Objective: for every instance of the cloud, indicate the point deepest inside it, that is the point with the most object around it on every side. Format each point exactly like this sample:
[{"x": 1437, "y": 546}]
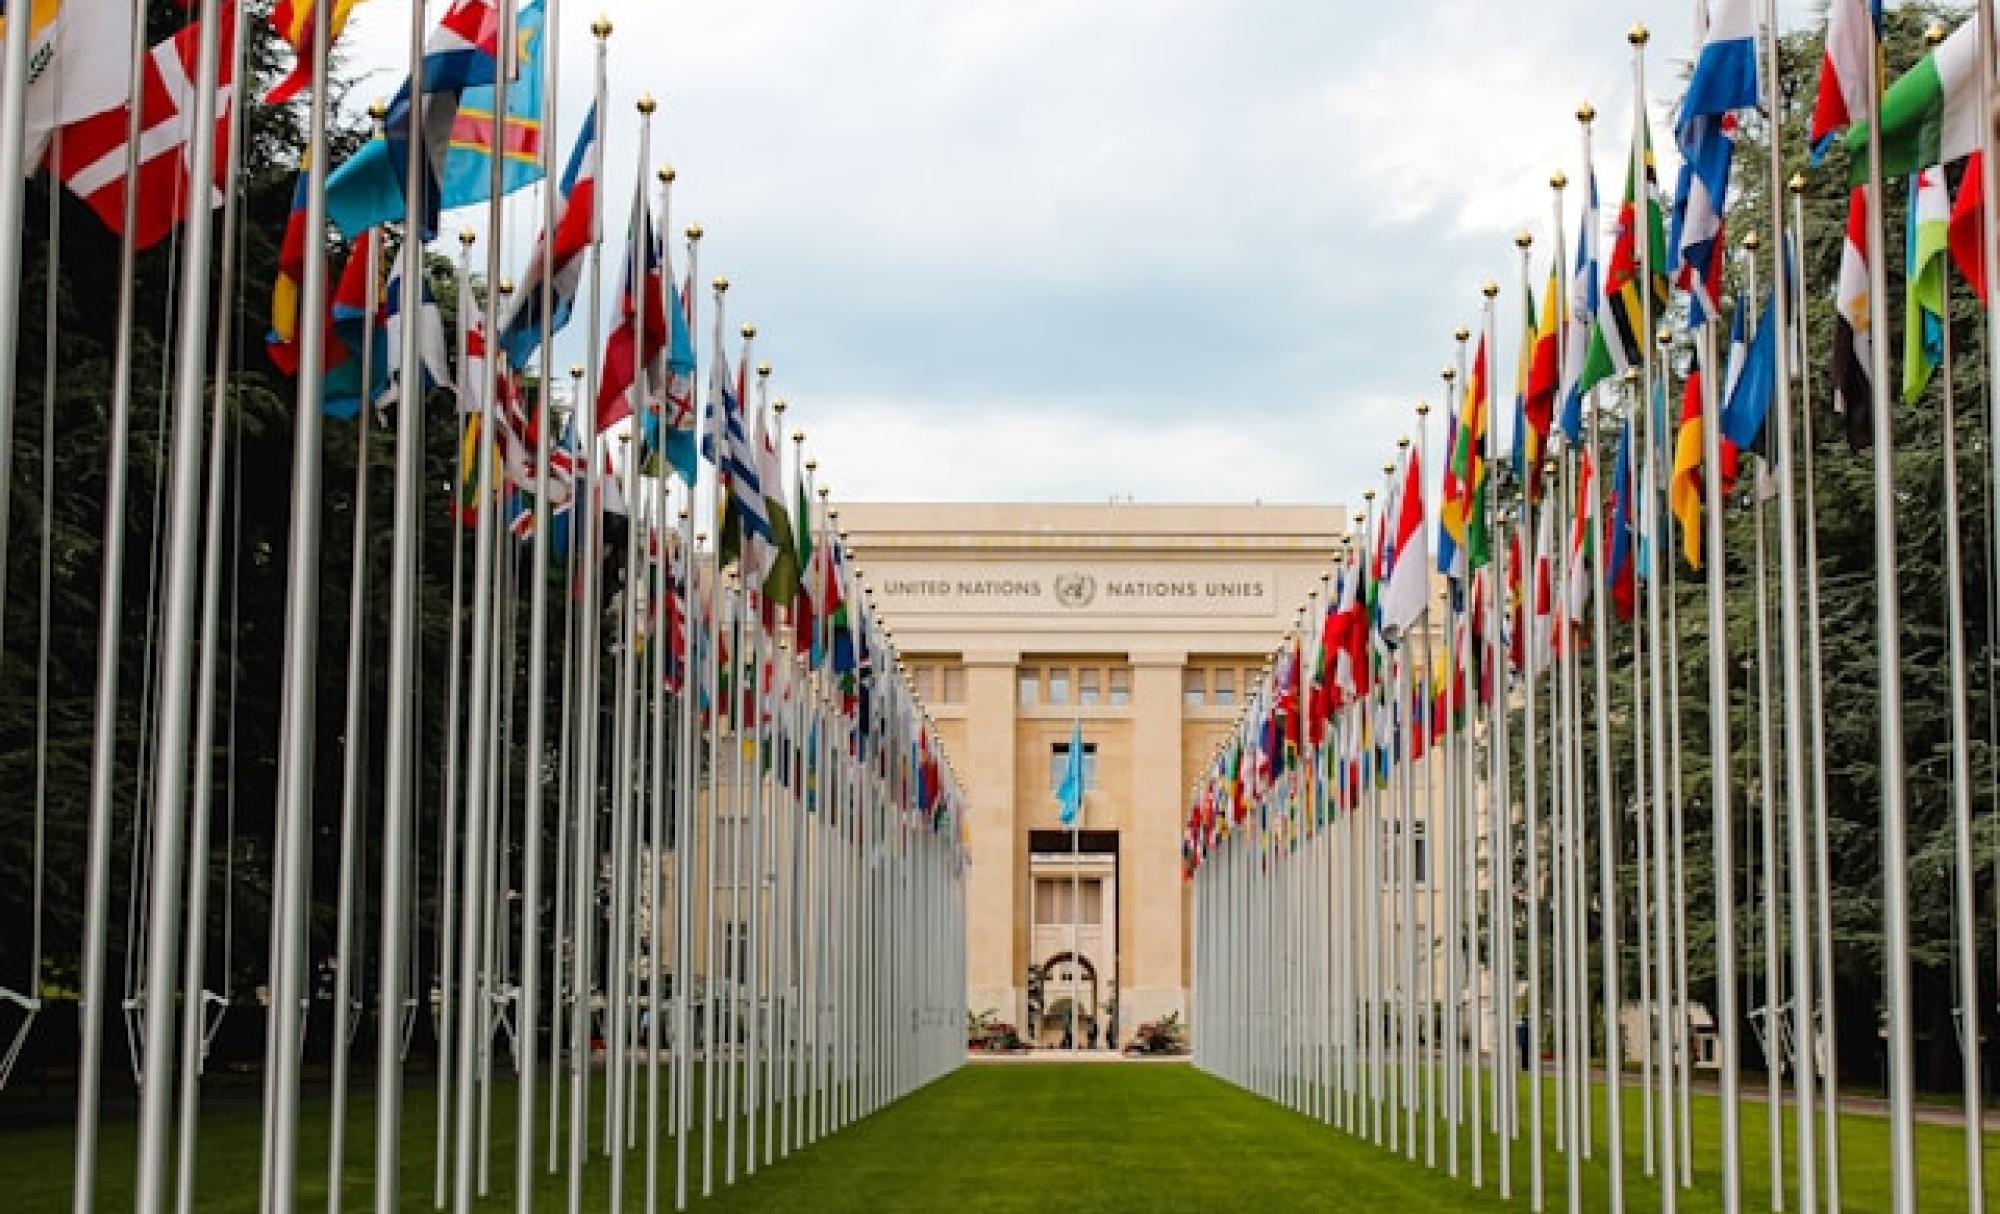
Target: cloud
[{"x": 1178, "y": 249}]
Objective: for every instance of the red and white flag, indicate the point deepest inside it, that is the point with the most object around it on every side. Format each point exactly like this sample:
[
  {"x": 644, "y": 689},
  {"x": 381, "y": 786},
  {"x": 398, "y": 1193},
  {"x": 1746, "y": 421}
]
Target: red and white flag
[
  {"x": 1843, "y": 73},
  {"x": 90, "y": 156}
]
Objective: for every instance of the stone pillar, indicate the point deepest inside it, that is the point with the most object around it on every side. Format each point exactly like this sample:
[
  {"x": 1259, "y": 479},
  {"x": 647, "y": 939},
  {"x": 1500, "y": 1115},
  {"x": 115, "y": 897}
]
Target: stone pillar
[
  {"x": 993, "y": 967},
  {"x": 1152, "y": 847}
]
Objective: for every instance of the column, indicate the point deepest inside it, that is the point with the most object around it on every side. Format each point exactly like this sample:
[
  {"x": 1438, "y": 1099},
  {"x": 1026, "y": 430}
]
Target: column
[
  {"x": 994, "y": 969},
  {"x": 1152, "y": 844}
]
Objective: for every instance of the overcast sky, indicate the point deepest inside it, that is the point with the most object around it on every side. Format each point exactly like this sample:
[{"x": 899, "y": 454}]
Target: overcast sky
[{"x": 1206, "y": 250}]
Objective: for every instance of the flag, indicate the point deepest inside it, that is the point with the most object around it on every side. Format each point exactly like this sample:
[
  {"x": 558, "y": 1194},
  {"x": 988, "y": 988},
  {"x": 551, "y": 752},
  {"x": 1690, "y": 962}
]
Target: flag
[
  {"x": 1583, "y": 308},
  {"x": 90, "y": 159},
  {"x": 1582, "y": 537},
  {"x": 1724, "y": 81},
  {"x": 1753, "y": 382},
  {"x": 281, "y": 341},
  {"x": 1685, "y": 491},
  {"x": 1524, "y": 357},
  {"x": 1619, "y": 573},
  {"x": 1450, "y": 561},
  {"x": 1927, "y": 234},
  {"x": 1851, "y": 335},
  {"x": 432, "y": 357},
  {"x": 467, "y": 177},
  {"x": 1930, "y": 115},
  {"x": 741, "y": 512},
  {"x": 79, "y": 64},
  {"x": 561, "y": 257},
  {"x": 1851, "y": 27},
  {"x": 292, "y": 21},
  {"x": 1408, "y": 590},
  {"x": 1463, "y": 512},
  {"x": 461, "y": 53},
  {"x": 1350, "y": 666},
  {"x": 1542, "y": 630},
  {"x": 1968, "y": 234},
  {"x": 1544, "y": 376},
  {"x": 350, "y": 319},
  {"x": 1617, "y": 336},
  {"x": 805, "y": 614},
  {"x": 674, "y": 367},
  {"x": 642, "y": 301},
  {"x": 781, "y": 575}
]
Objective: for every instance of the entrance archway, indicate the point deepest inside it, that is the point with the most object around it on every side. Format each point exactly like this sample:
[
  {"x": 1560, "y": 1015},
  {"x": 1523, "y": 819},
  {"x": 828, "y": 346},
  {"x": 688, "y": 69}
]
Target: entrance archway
[{"x": 1068, "y": 980}]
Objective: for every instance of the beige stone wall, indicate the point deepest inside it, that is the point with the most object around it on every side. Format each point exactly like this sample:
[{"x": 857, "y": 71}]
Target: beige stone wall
[{"x": 994, "y": 590}]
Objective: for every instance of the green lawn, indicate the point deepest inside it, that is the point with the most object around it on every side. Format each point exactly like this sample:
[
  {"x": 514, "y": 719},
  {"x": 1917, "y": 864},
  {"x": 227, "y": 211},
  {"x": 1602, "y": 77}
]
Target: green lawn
[{"x": 1007, "y": 1137}]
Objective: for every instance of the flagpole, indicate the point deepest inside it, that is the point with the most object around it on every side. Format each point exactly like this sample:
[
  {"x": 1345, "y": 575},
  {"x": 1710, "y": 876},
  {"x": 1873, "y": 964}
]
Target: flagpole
[
  {"x": 353, "y": 740},
  {"x": 687, "y": 795},
  {"x": 14, "y": 172},
  {"x": 194, "y": 1037},
  {"x": 1659, "y": 559},
  {"x": 1722, "y": 792},
  {"x": 1820, "y": 1028},
  {"x": 1427, "y": 709},
  {"x": 1894, "y": 819},
  {"x": 1774, "y": 1063},
  {"x": 1499, "y": 813},
  {"x": 1455, "y": 799}
]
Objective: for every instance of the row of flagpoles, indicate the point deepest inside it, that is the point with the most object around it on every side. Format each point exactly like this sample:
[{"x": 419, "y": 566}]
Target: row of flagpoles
[
  {"x": 1424, "y": 859},
  {"x": 661, "y": 661}
]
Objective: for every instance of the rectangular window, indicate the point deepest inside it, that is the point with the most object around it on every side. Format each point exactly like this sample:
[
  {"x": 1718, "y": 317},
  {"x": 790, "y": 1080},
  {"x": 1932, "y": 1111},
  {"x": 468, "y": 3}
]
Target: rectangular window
[
  {"x": 1421, "y": 861},
  {"x": 1194, "y": 686},
  {"x": 1058, "y": 684},
  {"x": 925, "y": 679},
  {"x": 1223, "y": 684},
  {"x": 1121, "y": 686},
  {"x": 951, "y": 685},
  {"x": 1088, "y": 679},
  {"x": 1059, "y": 763},
  {"x": 1031, "y": 686}
]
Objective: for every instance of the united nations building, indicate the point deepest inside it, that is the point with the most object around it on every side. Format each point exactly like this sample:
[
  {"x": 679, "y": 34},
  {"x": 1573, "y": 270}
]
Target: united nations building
[{"x": 1141, "y": 625}]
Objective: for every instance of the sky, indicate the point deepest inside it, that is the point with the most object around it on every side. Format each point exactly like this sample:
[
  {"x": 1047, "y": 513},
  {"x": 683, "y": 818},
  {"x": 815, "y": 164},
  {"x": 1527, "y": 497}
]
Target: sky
[{"x": 1077, "y": 250}]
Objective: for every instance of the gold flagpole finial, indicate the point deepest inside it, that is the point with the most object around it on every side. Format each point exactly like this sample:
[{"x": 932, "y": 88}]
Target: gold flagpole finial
[
  {"x": 666, "y": 174},
  {"x": 378, "y": 110},
  {"x": 1449, "y": 374},
  {"x": 1638, "y": 35},
  {"x": 694, "y": 231},
  {"x": 1797, "y": 183},
  {"x": 646, "y": 104},
  {"x": 1586, "y": 113},
  {"x": 1933, "y": 34},
  {"x": 763, "y": 369},
  {"x": 779, "y": 405},
  {"x": 1558, "y": 180},
  {"x": 1462, "y": 333},
  {"x": 1490, "y": 289},
  {"x": 749, "y": 330},
  {"x": 601, "y": 27},
  {"x": 1523, "y": 240},
  {"x": 466, "y": 236},
  {"x": 1423, "y": 408},
  {"x": 576, "y": 370},
  {"x": 721, "y": 284},
  {"x": 799, "y": 437},
  {"x": 1752, "y": 241}
]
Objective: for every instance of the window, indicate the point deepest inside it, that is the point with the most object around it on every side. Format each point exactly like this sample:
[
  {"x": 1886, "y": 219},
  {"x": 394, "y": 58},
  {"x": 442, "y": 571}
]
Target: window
[
  {"x": 1087, "y": 680},
  {"x": 1121, "y": 686},
  {"x": 1055, "y": 906},
  {"x": 1194, "y": 686},
  {"x": 1420, "y": 862},
  {"x": 951, "y": 685},
  {"x": 1058, "y": 684},
  {"x": 925, "y": 680},
  {"x": 1031, "y": 686},
  {"x": 1223, "y": 684},
  {"x": 1059, "y": 763}
]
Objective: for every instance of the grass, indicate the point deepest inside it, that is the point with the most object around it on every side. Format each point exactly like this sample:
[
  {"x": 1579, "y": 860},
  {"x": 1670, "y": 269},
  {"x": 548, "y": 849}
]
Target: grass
[{"x": 1008, "y": 1138}]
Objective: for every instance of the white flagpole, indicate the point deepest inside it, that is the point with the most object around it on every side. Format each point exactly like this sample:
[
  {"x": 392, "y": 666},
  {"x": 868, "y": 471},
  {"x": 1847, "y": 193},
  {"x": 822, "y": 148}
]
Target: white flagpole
[{"x": 111, "y": 596}]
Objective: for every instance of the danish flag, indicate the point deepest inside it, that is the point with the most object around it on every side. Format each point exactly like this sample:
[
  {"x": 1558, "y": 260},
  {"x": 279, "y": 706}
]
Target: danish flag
[{"x": 90, "y": 157}]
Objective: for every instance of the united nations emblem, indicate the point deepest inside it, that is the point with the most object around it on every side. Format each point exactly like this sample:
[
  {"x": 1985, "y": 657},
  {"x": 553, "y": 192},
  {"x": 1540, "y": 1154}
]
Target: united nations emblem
[{"x": 1075, "y": 589}]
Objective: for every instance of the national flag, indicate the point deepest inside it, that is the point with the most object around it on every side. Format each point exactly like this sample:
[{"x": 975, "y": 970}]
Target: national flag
[
  {"x": 467, "y": 177},
  {"x": 1583, "y": 305},
  {"x": 1851, "y": 331},
  {"x": 1350, "y": 667},
  {"x": 1543, "y": 628},
  {"x": 1751, "y": 384},
  {"x": 1524, "y": 357},
  {"x": 479, "y": 480},
  {"x": 293, "y": 22},
  {"x": 1968, "y": 218},
  {"x": 460, "y": 54},
  {"x": 432, "y": 356},
  {"x": 741, "y": 512},
  {"x": 281, "y": 341},
  {"x": 781, "y": 575},
  {"x": 1619, "y": 573},
  {"x": 1617, "y": 338},
  {"x": 1582, "y": 537},
  {"x": 1450, "y": 559},
  {"x": 1408, "y": 589},
  {"x": 1851, "y": 30},
  {"x": 79, "y": 64},
  {"x": 1544, "y": 379},
  {"x": 90, "y": 158},
  {"x": 805, "y": 613},
  {"x": 642, "y": 302},
  {"x": 673, "y": 368},
  {"x": 1927, "y": 234},
  {"x": 560, "y": 257},
  {"x": 1930, "y": 115},
  {"x": 1724, "y": 81},
  {"x": 1463, "y": 511},
  {"x": 1685, "y": 492},
  {"x": 345, "y": 376}
]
